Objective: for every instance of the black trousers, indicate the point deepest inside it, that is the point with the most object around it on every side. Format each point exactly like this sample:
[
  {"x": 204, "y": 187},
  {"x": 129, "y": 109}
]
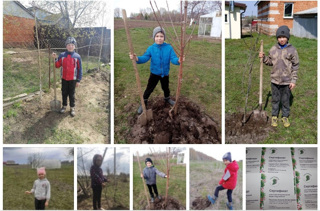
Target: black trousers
[
  {"x": 39, "y": 204},
  {"x": 280, "y": 94},
  {"x": 68, "y": 90},
  {"x": 154, "y": 187},
  {"x": 152, "y": 83},
  {"x": 229, "y": 192},
  {"x": 96, "y": 197}
]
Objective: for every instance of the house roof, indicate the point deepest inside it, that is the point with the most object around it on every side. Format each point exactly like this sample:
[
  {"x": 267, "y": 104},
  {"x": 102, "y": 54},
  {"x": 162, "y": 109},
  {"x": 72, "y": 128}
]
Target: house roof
[
  {"x": 257, "y": 2},
  {"x": 207, "y": 15},
  {"x": 242, "y": 6},
  {"x": 24, "y": 8},
  {"x": 308, "y": 11}
]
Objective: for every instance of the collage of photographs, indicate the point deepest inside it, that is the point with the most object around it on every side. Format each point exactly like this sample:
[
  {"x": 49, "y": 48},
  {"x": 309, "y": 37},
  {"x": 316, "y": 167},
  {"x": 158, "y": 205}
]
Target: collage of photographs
[{"x": 159, "y": 105}]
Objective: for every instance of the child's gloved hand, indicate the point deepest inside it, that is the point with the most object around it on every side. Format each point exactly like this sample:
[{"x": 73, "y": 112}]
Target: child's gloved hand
[
  {"x": 261, "y": 54},
  {"x": 54, "y": 55},
  {"x": 133, "y": 57},
  {"x": 291, "y": 86},
  {"x": 27, "y": 192}
]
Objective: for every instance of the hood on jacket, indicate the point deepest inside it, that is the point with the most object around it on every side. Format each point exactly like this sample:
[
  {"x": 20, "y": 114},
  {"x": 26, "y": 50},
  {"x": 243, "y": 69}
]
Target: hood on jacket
[{"x": 233, "y": 166}]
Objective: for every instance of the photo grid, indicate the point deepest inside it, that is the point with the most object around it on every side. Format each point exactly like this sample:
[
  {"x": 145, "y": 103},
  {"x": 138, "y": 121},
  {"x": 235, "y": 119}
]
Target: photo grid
[{"x": 159, "y": 105}]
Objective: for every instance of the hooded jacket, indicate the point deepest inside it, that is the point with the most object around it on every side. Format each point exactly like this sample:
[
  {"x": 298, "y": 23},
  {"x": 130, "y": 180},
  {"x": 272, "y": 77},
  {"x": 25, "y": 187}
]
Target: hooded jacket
[
  {"x": 97, "y": 177},
  {"x": 285, "y": 64},
  {"x": 71, "y": 67},
  {"x": 150, "y": 175},
  {"x": 161, "y": 56},
  {"x": 41, "y": 189},
  {"x": 229, "y": 178}
]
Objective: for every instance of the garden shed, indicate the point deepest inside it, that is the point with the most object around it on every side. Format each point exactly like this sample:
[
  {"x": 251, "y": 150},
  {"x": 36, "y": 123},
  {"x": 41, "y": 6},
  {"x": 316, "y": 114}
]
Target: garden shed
[
  {"x": 181, "y": 157},
  {"x": 210, "y": 25}
]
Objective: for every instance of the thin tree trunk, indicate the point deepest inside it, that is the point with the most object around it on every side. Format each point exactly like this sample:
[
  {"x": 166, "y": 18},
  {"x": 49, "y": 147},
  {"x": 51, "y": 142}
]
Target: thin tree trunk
[
  {"x": 168, "y": 173},
  {"x": 39, "y": 59}
]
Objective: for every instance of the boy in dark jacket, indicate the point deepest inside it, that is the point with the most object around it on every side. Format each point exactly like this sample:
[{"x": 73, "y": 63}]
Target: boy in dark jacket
[
  {"x": 285, "y": 61},
  {"x": 161, "y": 55},
  {"x": 97, "y": 181},
  {"x": 228, "y": 181},
  {"x": 149, "y": 174},
  {"x": 71, "y": 74}
]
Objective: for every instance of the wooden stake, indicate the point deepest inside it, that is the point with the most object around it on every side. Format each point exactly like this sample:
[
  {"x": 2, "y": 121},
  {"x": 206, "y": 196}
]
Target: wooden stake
[{"x": 168, "y": 172}]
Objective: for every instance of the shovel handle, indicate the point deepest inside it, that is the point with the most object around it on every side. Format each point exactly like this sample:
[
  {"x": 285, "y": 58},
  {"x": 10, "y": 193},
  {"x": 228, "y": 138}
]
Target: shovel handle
[
  {"x": 261, "y": 76},
  {"x": 54, "y": 80},
  {"x": 124, "y": 16}
]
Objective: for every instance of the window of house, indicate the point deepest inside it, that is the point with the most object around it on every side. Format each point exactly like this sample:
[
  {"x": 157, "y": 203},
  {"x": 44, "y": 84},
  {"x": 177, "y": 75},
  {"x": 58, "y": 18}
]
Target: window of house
[
  {"x": 226, "y": 18},
  {"x": 288, "y": 10}
]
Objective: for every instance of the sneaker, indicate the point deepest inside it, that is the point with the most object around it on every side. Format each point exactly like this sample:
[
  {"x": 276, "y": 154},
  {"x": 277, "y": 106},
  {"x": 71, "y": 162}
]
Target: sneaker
[
  {"x": 211, "y": 199},
  {"x": 140, "y": 110},
  {"x": 168, "y": 100},
  {"x": 152, "y": 200},
  {"x": 285, "y": 121},
  {"x": 63, "y": 109},
  {"x": 229, "y": 205},
  {"x": 274, "y": 121},
  {"x": 159, "y": 197},
  {"x": 73, "y": 112}
]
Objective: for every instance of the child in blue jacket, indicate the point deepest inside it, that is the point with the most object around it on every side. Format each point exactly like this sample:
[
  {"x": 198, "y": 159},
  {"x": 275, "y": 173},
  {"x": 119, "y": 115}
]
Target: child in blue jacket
[{"x": 161, "y": 55}]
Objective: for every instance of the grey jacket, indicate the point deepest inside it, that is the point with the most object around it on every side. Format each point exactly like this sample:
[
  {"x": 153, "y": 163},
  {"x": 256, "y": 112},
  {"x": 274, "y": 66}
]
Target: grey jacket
[
  {"x": 150, "y": 175},
  {"x": 41, "y": 189},
  {"x": 285, "y": 64}
]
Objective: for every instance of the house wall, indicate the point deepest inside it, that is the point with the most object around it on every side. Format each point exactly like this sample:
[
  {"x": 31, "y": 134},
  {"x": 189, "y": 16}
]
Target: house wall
[
  {"x": 235, "y": 23},
  {"x": 18, "y": 32},
  {"x": 271, "y": 14}
]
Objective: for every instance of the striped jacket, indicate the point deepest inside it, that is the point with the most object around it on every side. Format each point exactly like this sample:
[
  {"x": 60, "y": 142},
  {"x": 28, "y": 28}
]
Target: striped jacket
[
  {"x": 97, "y": 177},
  {"x": 70, "y": 64}
]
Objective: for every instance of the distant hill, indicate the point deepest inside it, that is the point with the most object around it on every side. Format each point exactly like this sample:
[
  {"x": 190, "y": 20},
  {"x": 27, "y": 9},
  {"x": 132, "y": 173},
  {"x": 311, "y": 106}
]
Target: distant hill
[{"x": 199, "y": 156}]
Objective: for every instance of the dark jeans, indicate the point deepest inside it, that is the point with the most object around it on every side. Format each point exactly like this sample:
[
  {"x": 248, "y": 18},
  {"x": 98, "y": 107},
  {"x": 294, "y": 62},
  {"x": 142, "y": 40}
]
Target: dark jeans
[
  {"x": 280, "y": 94},
  {"x": 96, "y": 197},
  {"x": 229, "y": 192},
  {"x": 152, "y": 83},
  {"x": 39, "y": 204},
  {"x": 154, "y": 187},
  {"x": 68, "y": 90}
]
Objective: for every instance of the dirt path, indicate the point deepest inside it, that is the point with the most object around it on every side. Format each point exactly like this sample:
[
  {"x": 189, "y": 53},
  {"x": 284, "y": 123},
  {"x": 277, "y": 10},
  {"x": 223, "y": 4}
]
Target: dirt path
[{"x": 35, "y": 123}]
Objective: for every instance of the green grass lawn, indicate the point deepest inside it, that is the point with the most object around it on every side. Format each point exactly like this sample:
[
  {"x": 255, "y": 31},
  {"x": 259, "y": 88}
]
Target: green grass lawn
[
  {"x": 177, "y": 184},
  {"x": 201, "y": 77},
  {"x": 303, "y": 115},
  {"x": 18, "y": 179}
]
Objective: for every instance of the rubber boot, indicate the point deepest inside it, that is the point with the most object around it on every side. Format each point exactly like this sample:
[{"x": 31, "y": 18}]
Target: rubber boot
[
  {"x": 212, "y": 200},
  {"x": 168, "y": 100},
  {"x": 140, "y": 110},
  {"x": 229, "y": 205}
]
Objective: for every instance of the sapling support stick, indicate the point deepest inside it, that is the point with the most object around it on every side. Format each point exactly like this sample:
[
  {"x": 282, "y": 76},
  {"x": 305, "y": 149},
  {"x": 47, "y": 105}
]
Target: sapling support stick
[
  {"x": 144, "y": 184},
  {"x": 168, "y": 173}
]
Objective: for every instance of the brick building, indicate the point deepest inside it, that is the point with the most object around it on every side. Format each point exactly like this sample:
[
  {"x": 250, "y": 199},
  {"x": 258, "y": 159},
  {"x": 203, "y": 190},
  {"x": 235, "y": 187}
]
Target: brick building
[
  {"x": 272, "y": 14},
  {"x": 18, "y": 25}
]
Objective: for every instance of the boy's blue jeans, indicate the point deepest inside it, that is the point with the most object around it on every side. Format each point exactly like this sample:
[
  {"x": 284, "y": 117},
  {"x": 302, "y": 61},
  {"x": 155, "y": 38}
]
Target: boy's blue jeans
[
  {"x": 229, "y": 192},
  {"x": 280, "y": 94}
]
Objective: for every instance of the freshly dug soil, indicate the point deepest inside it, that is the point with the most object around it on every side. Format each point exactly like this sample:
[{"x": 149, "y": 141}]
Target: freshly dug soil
[
  {"x": 189, "y": 126},
  {"x": 200, "y": 203},
  {"x": 256, "y": 129},
  {"x": 173, "y": 204}
]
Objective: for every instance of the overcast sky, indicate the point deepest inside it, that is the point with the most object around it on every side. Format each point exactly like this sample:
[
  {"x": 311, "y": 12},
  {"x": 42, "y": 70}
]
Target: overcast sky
[
  {"x": 20, "y": 154},
  {"x": 237, "y": 153},
  {"x": 122, "y": 158},
  {"x": 251, "y": 9},
  {"x": 135, "y": 6}
]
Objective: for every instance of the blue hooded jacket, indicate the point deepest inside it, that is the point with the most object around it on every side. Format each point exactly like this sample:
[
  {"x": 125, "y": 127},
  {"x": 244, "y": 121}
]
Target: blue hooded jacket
[{"x": 161, "y": 56}]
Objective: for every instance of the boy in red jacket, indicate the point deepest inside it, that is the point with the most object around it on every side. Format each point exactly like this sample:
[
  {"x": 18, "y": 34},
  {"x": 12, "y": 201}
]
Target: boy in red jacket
[
  {"x": 228, "y": 181},
  {"x": 71, "y": 74}
]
